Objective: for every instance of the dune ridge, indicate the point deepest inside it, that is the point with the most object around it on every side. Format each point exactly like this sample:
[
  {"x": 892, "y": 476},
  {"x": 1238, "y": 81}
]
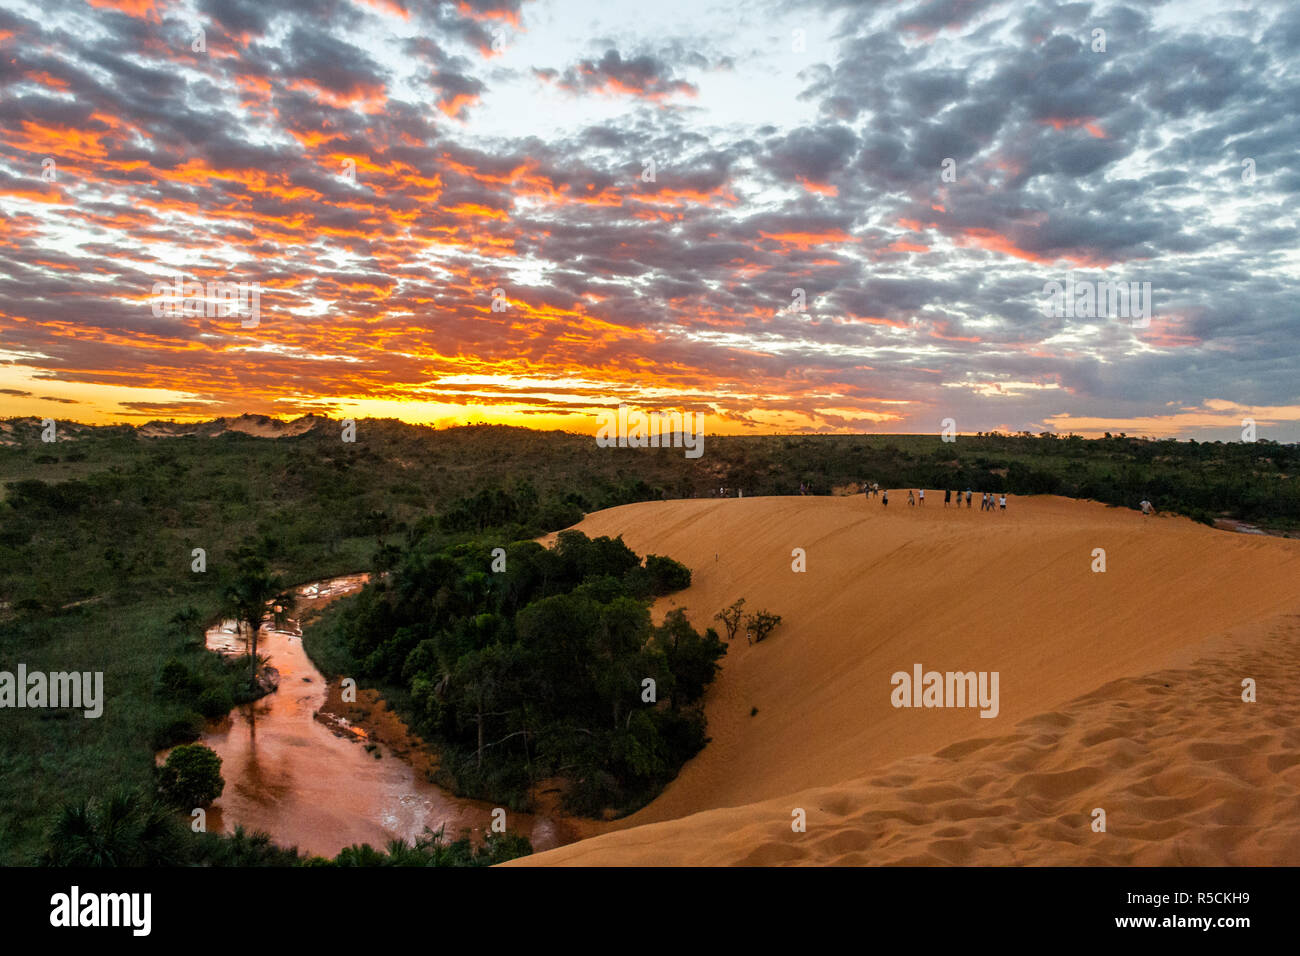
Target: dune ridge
[{"x": 1085, "y": 716}]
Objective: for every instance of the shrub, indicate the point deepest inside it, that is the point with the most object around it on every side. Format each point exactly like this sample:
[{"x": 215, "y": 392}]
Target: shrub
[
  {"x": 730, "y": 618},
  {"x": 126, "y": 828},
  {"x": 666, "y": 575},
  {"x": 183, "y": 729},
  {"x": 191, "y": 777},
  {"x": 245, "y": 848},
  {"x": 215, "y": 702},
  {"x": 760, "y": 624},
  {"x": 175, "y": 678}
]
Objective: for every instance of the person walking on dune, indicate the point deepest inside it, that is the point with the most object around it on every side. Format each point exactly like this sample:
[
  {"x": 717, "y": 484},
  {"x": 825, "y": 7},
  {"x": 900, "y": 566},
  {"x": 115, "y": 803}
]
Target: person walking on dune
[
  {"x": 911, "y": 498},
  {"x": 947, "y": 497}
]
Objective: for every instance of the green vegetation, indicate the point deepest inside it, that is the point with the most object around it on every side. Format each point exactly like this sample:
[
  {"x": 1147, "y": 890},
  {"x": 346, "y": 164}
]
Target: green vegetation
[
  {"x": 191, "y": 777},
  {"x": 539, "y": 670},
  {"x": 97, "y": 533},
  {"x": 125, "y": 829},
  {"x": 131, "y": 828},
  {"x": 433, "y": 849},
  {"x": 249, "y": 594}
]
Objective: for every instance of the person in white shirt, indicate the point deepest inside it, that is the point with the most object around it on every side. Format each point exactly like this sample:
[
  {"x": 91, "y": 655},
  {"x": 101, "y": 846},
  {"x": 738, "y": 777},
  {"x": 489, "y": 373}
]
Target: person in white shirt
[
  {"x": 922, "y": 494},
  {"x": 1002, "y": 502},
  {"x": 1146, "y": 507}
]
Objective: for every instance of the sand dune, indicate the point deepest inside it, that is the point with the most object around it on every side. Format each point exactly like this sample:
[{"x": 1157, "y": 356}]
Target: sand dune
[
  {"x": 1188, "y": 773},
  {"x": 261, "y": 426}
]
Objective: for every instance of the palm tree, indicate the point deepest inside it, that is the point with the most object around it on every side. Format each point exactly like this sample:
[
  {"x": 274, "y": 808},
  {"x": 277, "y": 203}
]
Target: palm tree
[
  {"x": 126, "y": 829},
  {"x": 248, "y": 597},
  {"x": 189, "y": 623}
]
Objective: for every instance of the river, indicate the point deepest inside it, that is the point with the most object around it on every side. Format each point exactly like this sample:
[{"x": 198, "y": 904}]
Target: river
[{"x": 298, "y": 769}]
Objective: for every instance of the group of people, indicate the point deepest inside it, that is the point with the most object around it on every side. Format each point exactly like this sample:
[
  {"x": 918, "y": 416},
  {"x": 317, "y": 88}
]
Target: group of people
[{"x": 988, "y": 501}]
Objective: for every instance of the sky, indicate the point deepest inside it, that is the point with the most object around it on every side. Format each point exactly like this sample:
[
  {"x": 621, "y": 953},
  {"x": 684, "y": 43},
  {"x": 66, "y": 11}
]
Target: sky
[{"x": 799, "y": 216}]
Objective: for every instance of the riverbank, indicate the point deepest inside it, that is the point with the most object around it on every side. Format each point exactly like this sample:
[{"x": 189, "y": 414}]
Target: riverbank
[{"x": 320, "y": 774}]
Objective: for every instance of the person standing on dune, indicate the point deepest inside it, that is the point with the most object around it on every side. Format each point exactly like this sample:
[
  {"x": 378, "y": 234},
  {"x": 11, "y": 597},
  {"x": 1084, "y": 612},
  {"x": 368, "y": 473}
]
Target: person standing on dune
[
  {"x": 1002, "y": 502},
  {"x": 922, "y": 494},
  {"x": 947, "y": 497},
  {"x": 967, "y": 499},
  {"x": 884, "y": 497},
  {"x": 911, "y": 498}
]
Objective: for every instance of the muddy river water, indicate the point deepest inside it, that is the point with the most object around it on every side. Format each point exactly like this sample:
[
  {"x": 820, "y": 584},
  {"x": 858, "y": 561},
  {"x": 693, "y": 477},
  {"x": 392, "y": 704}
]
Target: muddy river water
[{"x": 312, "y": 779}]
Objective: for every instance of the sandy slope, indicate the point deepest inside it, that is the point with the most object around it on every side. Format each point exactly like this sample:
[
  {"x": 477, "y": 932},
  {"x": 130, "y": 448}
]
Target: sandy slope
[
  {"x": 261, "y": 426},
  {"x": 1009, "y": 592}
]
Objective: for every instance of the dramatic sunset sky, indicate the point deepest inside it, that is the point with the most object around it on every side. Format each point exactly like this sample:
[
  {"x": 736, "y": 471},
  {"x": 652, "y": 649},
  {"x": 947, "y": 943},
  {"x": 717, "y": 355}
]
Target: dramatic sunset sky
[{"x": 799, "y": 144}]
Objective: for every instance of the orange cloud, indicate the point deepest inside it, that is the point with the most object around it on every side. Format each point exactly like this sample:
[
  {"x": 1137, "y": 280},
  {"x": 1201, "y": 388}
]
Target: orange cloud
[
  {"x": 461, "y": 101},
  {"x": 996, "y": 242},
  {"x": 822, "y": 189},
  {"x": 143, "y": 9},
  {"x": 807, "y": 240}
]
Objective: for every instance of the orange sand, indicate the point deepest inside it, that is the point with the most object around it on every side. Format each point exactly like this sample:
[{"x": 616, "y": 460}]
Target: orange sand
[{"x": 1119, "y": 690}]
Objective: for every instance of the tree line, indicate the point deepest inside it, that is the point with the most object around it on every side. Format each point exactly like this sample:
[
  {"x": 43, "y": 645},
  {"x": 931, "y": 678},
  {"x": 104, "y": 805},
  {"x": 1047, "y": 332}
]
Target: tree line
[{"x": 549, "y": 666}]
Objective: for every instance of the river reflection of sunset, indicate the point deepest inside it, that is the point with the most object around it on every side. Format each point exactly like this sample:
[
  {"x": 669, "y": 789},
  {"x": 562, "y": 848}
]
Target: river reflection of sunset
[{"x": 320, "y": 784}]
